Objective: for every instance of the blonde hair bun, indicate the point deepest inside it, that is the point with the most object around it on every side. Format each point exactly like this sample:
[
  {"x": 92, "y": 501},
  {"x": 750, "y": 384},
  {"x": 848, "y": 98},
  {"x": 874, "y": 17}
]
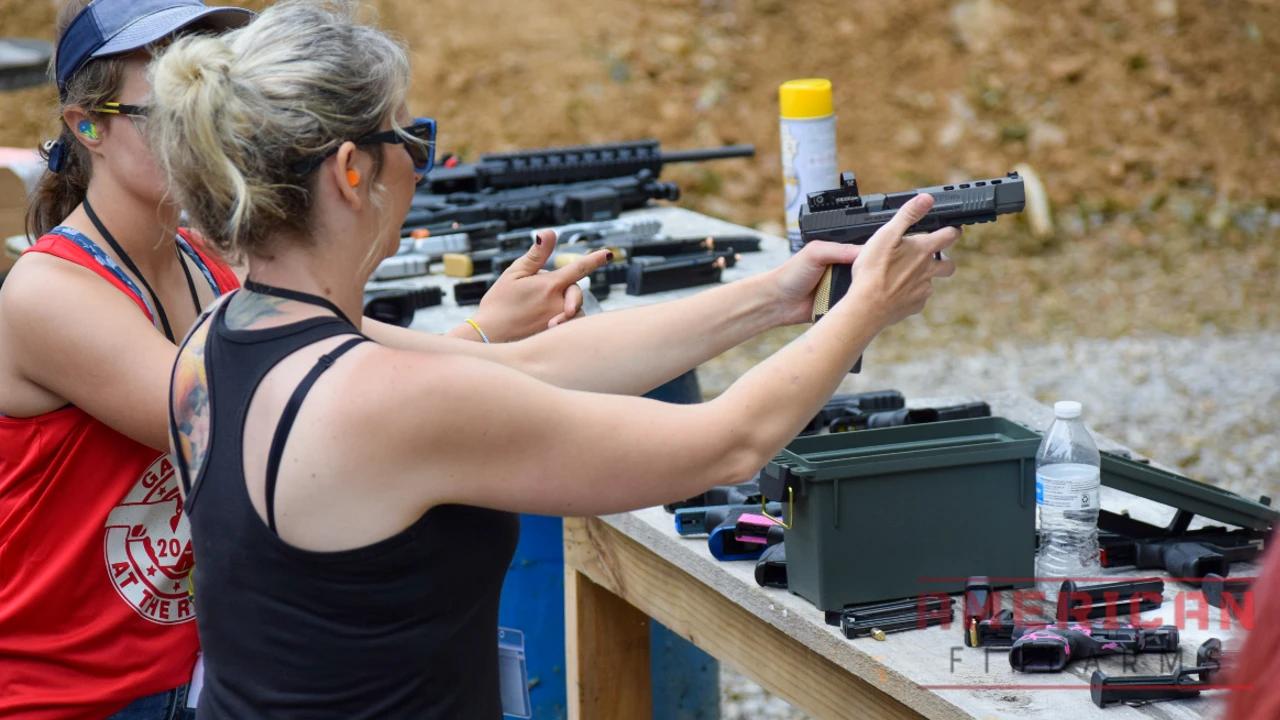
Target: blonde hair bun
[{"x": 233, "y": 114}]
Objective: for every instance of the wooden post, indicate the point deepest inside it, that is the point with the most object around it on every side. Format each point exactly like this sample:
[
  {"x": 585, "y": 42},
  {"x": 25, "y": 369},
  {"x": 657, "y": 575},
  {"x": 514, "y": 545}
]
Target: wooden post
[{"x": 606, "y": 652}]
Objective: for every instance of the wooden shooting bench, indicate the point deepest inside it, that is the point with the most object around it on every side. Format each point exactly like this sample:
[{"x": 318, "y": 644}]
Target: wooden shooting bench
[{"x": 620, "y": 570}]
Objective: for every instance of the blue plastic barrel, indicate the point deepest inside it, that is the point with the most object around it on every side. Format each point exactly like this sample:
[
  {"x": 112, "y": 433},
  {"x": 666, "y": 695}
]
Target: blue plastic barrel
[{"x": 686, "y": 681}]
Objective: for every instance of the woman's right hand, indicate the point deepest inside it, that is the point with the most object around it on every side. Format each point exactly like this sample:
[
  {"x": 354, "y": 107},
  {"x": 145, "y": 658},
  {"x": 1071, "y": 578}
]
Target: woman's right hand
[{"x": 893, "y": 275}]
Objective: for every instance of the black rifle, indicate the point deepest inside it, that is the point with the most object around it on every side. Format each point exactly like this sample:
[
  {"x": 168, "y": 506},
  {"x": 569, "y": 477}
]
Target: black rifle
[
  {"x": 540, "y": 204},
  {"x": 912, "y": 416},
  {"x": 843, "y": 215},
  {"x": 568, "y": 164}
]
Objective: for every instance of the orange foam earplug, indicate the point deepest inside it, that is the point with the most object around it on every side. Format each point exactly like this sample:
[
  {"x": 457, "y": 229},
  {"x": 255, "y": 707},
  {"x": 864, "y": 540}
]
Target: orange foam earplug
[{"x": 353, "y": 178}]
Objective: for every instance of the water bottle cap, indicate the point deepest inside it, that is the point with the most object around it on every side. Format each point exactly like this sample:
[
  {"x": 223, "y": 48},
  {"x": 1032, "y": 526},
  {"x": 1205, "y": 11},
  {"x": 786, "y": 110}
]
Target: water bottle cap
[{"x": 1067, "y": 409}]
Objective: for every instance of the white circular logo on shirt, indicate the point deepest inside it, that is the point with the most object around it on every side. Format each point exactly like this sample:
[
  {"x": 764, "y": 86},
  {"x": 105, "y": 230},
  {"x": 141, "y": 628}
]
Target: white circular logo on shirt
[{"x": 148, "y": 547}]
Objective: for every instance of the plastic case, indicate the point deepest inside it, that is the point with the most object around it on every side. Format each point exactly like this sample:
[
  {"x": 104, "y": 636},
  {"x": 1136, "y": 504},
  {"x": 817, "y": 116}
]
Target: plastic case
[
  {"x": 904, "y": 511},
  {"x": 1166, "y": 488}
]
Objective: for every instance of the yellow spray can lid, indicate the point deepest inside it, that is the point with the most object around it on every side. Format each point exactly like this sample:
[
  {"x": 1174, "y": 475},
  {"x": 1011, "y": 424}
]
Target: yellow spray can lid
[{"x": 805, "y": 98}]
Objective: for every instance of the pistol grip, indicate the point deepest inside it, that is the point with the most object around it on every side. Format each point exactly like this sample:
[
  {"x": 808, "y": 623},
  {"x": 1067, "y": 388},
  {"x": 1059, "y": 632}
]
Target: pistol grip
[
  {"x": 822, "y": 300},
  {"x": 834, "y": 284}
]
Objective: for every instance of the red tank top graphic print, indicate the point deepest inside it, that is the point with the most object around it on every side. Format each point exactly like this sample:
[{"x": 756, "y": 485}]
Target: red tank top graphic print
[{"x": 95, "y": 549}]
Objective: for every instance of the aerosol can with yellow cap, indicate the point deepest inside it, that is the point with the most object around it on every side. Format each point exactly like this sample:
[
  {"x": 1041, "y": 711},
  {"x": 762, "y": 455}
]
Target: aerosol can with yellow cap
[{"x": 808, "y": 130}]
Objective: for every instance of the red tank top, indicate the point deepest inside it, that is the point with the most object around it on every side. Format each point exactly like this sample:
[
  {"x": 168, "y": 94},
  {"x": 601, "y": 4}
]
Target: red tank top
[{"x": 95, "y": 551}]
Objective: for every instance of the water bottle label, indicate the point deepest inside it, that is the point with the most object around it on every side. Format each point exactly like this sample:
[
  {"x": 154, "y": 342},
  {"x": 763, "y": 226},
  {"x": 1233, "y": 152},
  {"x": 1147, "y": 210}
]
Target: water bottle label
[{"x": 1068, "y": 486}]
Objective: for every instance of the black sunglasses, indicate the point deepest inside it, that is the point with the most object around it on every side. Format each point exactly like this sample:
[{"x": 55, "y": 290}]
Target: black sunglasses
[{"x": 422, "y": 152}]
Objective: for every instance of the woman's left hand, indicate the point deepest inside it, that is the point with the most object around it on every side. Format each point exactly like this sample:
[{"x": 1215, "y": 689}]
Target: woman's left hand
[
  {"x": 525, "y": 300},
  {"x": 797, "y": 279}
]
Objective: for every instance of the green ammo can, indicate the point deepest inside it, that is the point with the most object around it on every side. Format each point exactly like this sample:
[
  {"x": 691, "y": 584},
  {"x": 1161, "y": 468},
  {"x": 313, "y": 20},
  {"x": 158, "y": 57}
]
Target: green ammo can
[{"x": 905, "y": 511}]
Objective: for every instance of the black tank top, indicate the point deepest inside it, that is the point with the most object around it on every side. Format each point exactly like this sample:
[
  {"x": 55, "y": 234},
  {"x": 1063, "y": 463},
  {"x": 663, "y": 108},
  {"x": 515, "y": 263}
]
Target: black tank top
[{"x": 403, "y": 628}]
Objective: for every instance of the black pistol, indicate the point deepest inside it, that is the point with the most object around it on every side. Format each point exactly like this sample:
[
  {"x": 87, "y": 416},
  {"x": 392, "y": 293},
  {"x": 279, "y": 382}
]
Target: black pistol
[{"x": 843, "y": 215}]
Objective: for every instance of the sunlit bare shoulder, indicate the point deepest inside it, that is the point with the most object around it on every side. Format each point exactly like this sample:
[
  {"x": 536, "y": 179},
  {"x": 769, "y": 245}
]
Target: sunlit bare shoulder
[{"x": 27, "y": 305}]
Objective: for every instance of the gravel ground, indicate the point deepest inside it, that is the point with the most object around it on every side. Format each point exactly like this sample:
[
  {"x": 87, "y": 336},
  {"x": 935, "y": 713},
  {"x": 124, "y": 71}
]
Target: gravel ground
[{"x": 1208, "y": 405}]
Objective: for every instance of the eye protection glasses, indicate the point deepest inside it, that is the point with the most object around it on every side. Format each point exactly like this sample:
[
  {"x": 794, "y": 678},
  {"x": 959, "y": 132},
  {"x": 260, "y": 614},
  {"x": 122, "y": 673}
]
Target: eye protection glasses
[
  {"x": 116, "y": 108},
  {"x": 136, "y": 113},
  {"x": 420, "y": 144}
]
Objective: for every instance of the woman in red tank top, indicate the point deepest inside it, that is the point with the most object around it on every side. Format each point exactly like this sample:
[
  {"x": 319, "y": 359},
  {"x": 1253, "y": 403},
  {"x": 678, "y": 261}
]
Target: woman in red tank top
[{"x": 95, "y": 552}]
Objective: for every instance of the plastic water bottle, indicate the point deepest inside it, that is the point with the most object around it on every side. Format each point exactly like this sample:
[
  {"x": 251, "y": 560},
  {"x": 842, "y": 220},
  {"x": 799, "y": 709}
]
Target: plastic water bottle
[{"x": 1068, "y": 476}]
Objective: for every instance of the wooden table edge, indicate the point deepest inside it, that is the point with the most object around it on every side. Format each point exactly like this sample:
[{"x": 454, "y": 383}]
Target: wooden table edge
[{"x": 605, "y": 555}]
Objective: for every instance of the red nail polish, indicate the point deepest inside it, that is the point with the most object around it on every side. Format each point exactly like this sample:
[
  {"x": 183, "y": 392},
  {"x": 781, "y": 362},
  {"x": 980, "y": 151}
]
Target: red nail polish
[
  {"x": 609, "y": 256},
  {"x": 537, "y": 239}
]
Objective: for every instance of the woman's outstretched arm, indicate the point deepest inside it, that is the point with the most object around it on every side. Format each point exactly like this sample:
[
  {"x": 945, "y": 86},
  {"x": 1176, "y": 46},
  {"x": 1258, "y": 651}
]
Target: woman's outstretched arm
[
  {"x": 454, "y": 430},
  {"x": 633, "y": 351}
]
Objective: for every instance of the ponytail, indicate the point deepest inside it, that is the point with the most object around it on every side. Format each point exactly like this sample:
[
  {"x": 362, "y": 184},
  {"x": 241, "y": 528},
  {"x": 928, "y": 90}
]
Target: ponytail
[
  {"x": 198, "y": 119},
  {"x": 233, "y": 116}
]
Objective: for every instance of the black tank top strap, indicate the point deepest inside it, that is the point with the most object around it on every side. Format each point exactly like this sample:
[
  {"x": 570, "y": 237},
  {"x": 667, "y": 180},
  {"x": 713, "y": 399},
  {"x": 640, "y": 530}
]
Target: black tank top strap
[
  {"x": 287, "y": 418},
  {"x": 257, "y": 352},
  {"x": 296, "y": 296}
]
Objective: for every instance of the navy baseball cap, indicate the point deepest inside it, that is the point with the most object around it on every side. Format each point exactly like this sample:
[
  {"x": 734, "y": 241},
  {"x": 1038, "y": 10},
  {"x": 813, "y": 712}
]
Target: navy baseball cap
[{"x": 111, "y": 27}]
